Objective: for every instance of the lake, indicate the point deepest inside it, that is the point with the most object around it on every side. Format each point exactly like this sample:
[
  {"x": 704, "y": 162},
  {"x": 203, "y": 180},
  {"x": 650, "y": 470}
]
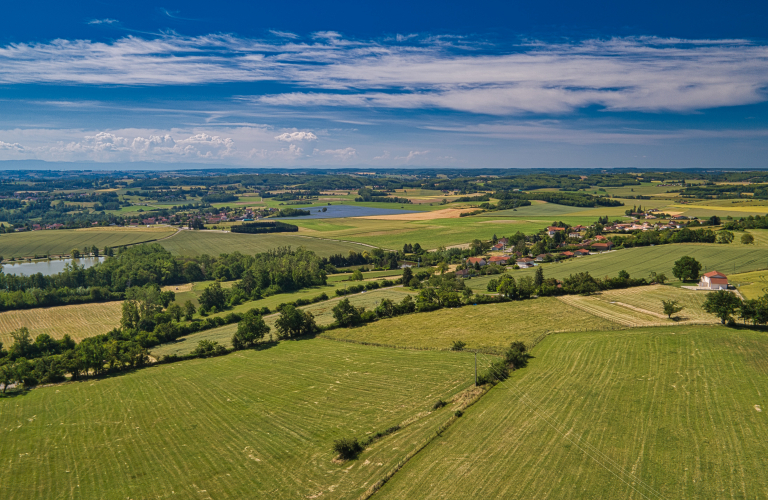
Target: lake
[
  {"x": 47, "y": 267},
  {"x": 339, "y": 211}
]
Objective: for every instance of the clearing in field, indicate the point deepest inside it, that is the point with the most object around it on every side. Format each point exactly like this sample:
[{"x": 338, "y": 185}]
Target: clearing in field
[
  {"x": 489, "y": 327},
  {"x": 633, "y": 414},
  {"x": 79, "y": 321},
  {"x": 62, "y": 241},
  {"x": 253, "y": 424}
]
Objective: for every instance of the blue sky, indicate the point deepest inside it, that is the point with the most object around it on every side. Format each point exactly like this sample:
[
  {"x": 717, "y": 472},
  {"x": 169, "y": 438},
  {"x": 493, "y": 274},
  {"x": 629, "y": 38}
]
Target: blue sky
[{"x": 386, "y": 84}]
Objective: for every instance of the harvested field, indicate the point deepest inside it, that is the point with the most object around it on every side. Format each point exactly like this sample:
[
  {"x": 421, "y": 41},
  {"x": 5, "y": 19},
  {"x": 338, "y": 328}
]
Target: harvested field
[
  {"x": 79, "y": 321},
  {"x": 633, "y": 414}
]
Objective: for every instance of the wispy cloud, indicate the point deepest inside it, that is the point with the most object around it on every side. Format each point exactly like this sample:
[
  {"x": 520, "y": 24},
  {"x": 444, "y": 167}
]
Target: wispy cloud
[
  {"x": 103, "y": 21},
  {"x": 640, "y": 74},
  {"x": 411, "y": 156}
]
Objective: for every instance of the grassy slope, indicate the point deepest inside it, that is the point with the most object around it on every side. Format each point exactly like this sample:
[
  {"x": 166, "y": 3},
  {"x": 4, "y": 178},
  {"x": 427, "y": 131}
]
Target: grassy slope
[
  {"x": 79, "y": 321},
  {"x": 488, "y": 326},
  {"x": 639, "y": 262},
  {"x": 253, "y": 424},
  {"x": 321, "y": 310},
  {"x": 62, "y": 241},
  {"x": 644, "y": 413},
  {"x": 194, "y": 243}
]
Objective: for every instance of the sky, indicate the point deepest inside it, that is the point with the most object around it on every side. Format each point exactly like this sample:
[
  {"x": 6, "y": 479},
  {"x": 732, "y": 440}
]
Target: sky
[{"x": 533, "y": 84}]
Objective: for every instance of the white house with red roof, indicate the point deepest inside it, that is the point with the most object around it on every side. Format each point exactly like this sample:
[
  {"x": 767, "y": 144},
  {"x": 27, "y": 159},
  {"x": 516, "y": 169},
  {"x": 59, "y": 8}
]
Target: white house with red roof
[{"x": 714, "y": 280}]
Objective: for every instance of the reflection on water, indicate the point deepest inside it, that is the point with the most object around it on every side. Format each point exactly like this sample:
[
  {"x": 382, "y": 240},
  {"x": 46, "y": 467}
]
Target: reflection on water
[{"x": 47, "y": 267}]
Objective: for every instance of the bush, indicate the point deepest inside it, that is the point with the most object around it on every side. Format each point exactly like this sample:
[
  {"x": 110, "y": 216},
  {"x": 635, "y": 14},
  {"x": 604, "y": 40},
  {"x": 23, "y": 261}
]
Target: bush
[
  {"x": 458, "y": 345},
  {"x": 459, "y": 413},
  {"x": 347, "y": 448},
  {"x": 439, "y": 404}
]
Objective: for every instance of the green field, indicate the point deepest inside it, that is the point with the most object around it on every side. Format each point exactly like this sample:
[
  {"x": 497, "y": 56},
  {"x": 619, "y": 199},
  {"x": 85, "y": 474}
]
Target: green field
[
  {"x": 751, "y": 285},
  {"x": 489, "y": 327},
  {"x": 321, "y": 310},
  {"x": 62, "y": 241},
  {"x": 195, "y": 243},
  {"x": 636, "y": 414},
  {"x": 254, "y": 424},
  {"x": 639, "y": 262}
]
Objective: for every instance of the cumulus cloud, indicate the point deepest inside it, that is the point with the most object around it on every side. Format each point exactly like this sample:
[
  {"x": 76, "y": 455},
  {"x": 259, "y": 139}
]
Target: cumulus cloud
[
  {"x": 108, "y": 146},
  {"x": 639, "y": 73},
  {"x": 296, "y": 136},
  {"x": 7, "y": 146},
  {"x": 384, "y": 156}
]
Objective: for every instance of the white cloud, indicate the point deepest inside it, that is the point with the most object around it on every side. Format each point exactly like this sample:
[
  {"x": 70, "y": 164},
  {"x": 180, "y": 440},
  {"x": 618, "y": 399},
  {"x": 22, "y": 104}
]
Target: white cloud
[
  {"x": 7, "y": 146},
  {"x": 642, "y": 74},
  {"x": 296, "y": 136},
  {"x": 345, "y": 154},
  {"x": 284, "y": 34},
  {"x": 384, "y": 156},
  {"x": 103, "y": 21},
  {"x": 412, "y": 155}
]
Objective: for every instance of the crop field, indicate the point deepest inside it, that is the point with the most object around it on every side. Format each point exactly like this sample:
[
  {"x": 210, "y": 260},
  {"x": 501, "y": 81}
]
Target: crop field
[
  {"x": 635, "y": 414},
  {"x": 640, "y": 262},
  {"x": 490, "y": 327},
  {"x": 367, "y": 275},
  {"x": 539, "y": 209},
  {"x": 62, "y": 241},
  {"x": 194, "y": 243},
  {"x": 253, "y": 424},
  {"x": 321, "y": 311},
  {"x": 79, "y": 321}
]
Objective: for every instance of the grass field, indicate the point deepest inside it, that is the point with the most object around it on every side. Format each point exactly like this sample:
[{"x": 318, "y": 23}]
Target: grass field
[
  {"x": 639, "y": 262},
  {"x": 641, "y": 306},
  {"x": 635, "y": 414},
  {"x": 194, "y": 243},
  {"x": 489, "y": 326},
  {"x": 751, "y": 285},
  {"x": 321, "y": 310},
  {"x": 62, "y": 241},
  {"x": 254, "y": 424},
  {"x": 79, "y": 321}
]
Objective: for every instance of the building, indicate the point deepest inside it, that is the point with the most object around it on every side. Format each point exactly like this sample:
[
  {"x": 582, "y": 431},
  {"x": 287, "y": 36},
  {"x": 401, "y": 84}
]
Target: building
[
  {"x": 551, "y": 230},
  {"x": 602, "y": 247},
  {"x": 476, "y": 260},
  {"x": 499, "y": 259},
  {"x": 580, "y": 252},
  {"x": 714, "y": 280},
  {"x": 525, "y": 263}
]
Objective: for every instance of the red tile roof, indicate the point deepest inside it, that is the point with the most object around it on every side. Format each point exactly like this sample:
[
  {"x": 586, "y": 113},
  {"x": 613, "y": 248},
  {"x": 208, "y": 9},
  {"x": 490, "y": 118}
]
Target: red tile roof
[{"x": 714, "y": 273}]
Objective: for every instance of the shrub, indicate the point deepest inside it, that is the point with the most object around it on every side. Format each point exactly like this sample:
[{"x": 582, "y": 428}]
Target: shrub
[
  {"x": 439, "y": 404},
  {"x": 459, "y": 413},
  {"x": 347, "y": 448},
  {"x": 458, "y": 345}
]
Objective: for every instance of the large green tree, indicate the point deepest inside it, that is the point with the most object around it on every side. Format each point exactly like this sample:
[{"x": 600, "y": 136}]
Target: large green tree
[
  {"x": 687, "y": 269},
  {"x": 250, "y": 330},
  {"x": 722, "y": 304}
]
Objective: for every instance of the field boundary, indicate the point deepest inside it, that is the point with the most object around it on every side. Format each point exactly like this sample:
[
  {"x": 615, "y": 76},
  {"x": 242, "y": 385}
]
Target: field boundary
[{"x": 624, "y": 322}]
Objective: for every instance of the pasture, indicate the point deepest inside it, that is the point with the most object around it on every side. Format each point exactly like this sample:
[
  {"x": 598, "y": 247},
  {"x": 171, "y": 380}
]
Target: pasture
[
  {"x": 195, "y": 243},
  {"x": 254, "y": 424},
  {"x": 751, "y": 285},
  {"x": 79, "y": 321},
  {"x": 62, "y": 241},
  {"x": 641, "y": 261},
  {"x": 489, "y": 327},
  {"x": 651, "y": 413}
]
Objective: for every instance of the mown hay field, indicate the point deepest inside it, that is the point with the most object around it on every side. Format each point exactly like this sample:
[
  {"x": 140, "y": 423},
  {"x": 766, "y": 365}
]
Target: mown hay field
[
  {"x": 490, "y": 327},
  {"x": 640, "y": 262},
  {"x": 651, "y": 413},
  {"x": 62, "y": 241},
  {"x": 253, "y": 424},
  {"x": 195, "y": 243},
  {"x": 78, "y": 321},
  {"x": 751, "y": 285},
  {"x": 642, "y": 306}
]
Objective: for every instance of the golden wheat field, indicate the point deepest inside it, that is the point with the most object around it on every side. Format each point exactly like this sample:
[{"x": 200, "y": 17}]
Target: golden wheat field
[{"x": 79, "y": 321}]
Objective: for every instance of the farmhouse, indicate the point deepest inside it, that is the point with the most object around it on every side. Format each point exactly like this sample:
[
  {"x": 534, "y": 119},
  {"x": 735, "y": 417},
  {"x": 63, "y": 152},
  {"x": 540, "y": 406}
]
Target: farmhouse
[
  {"x": 714, "y": 280},
  {"x": 499, "y": 259},
  {"x": 525, "y": 263},
  {"x": 551, "y": 230},
  {"x": 602, "y": 247},
  {"x": 580, "y": 252},
  {"x": 567, "y": 254},
  {"x": 541, "y": 257}
]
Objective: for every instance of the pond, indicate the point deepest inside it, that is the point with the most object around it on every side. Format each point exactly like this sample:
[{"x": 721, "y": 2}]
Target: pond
[
  {"x": 47, "y": 267},
  {"x": 339, "y": 211}
]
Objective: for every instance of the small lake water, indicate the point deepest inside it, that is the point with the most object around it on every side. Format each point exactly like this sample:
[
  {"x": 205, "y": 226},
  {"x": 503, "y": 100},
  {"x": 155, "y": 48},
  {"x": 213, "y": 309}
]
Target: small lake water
[
  {"x": 339, "y": 211},
  {"x": 47, "y": 267}
]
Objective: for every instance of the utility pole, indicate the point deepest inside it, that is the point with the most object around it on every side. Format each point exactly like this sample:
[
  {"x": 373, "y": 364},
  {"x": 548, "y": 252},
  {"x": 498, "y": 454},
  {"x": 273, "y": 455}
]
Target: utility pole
[{"x": 475, "y": 368}]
